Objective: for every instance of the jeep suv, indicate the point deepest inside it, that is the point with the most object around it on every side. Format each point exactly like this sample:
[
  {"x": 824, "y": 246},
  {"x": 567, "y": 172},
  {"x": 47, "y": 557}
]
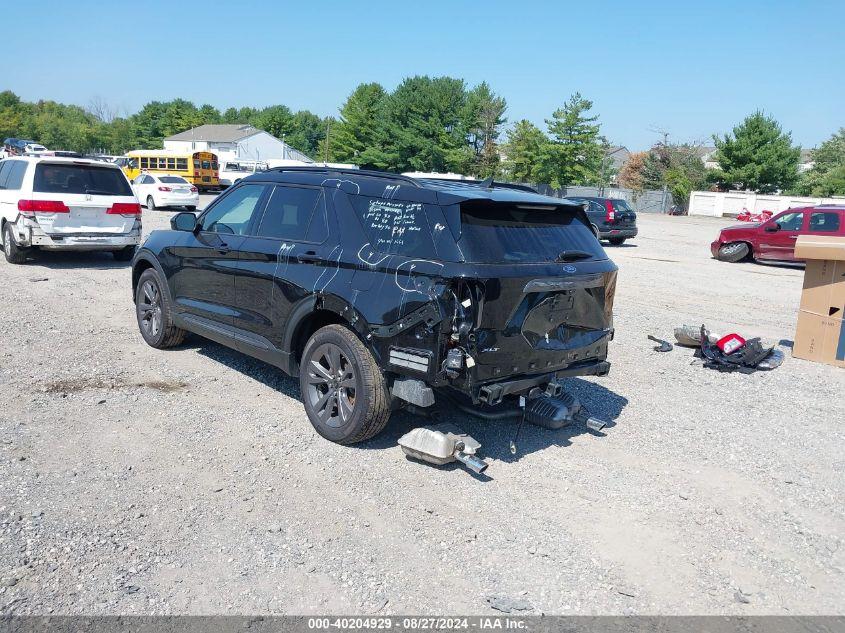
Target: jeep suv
[{"x": 378, "y": 290}]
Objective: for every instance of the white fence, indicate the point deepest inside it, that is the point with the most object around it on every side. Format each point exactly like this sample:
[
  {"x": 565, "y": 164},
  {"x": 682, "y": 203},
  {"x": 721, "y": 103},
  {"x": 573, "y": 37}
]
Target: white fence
[{"x": 718, "y": 203}]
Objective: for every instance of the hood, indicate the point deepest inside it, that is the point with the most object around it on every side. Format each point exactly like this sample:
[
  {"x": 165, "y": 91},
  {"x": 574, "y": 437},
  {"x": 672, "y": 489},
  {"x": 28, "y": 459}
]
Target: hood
[{"x": 742, "y": 225}]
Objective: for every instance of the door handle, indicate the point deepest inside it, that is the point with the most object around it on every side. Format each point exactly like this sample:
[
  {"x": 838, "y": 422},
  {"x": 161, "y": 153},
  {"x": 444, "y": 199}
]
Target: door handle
[
  {"x": 309, "y": 258},
  {"x": 223, "y": 248}
]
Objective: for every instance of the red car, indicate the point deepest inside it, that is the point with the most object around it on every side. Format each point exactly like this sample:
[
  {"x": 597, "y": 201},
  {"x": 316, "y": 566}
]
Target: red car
[{"x": 774, "y": 239}]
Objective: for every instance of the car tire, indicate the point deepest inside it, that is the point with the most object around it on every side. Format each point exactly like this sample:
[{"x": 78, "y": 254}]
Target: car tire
[
  {"x": 617, "y": 241},
  {"x": 733, "y": 252},
  {"x": 124, "y": 254},
  {"x": 343, "y": 390},
  {"x": 151, "y": 203},
  {"x": 14, "y": 253},
  {"x": 154, "y": 313},
  {"x": 595, "y": 230}
]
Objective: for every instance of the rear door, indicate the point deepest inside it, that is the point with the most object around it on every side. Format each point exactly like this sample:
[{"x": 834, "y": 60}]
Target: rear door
[
  {"x": 826, "y": 222},
  {"x": 281, "y": 261},
  {"x": 88, "y": 191},
  {"x": 780, "y": 244},
  {"x": 9, "y": 196}
]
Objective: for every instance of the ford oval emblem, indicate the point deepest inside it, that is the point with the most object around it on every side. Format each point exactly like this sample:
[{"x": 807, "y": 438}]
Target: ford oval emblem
[{"x": 569, "y": 269}]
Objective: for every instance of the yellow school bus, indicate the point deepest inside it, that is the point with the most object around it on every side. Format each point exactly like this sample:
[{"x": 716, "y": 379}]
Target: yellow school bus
[{"x": 200, "y": 168}]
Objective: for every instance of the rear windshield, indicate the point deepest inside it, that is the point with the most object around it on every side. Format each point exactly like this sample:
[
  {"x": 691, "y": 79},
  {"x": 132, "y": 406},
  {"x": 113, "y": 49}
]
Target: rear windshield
[
  {"x": 174, "y": 179},
  {"x": 620, "y": 206},
  {"x": 91, "y": 179},
  {"x": 499, "y": 233}
]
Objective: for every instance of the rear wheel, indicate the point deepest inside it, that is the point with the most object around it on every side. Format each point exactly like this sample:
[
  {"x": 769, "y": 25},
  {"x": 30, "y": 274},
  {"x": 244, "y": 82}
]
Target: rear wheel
[
  {"x": 124, "y": 254},
  {"x": 733, "y": 252},
  {"x": 617, "y": 241},
  {"x": 14, "y": 253},
  {"x": 151, "y": 204},
  {"x": 153, "y": 311},
  {"x": 343, "y": 390}
]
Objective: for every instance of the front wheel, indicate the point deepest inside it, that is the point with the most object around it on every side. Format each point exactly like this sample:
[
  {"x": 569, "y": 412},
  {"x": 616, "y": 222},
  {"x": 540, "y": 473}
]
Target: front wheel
[
  {"x": 153, "y": 311},
  {"x": 14, "y": 253},
  {"x": 343, "y": 390},
  {"x": 733, "y": 252}
]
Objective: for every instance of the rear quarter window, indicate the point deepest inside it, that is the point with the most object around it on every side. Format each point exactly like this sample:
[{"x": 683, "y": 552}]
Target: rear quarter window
[{"x": 395, "y": 227}]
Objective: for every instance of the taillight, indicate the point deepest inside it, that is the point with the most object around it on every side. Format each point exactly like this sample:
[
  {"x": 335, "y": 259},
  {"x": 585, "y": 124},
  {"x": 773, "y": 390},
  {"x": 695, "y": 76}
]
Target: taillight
[
  {"x": 42, "y": 206},
  {"x": 194, "y": 189},
  {"x": 164, "y": 189},
  {"x": 610, "y": 216},
  {"x": 124, "y": 208}
]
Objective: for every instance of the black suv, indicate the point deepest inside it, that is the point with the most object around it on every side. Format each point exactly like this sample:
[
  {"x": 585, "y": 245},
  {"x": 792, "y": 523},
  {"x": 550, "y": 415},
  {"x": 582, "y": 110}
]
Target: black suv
[
  {"x": 613, "y": 218},
  {"x": 378, "y": 289}
]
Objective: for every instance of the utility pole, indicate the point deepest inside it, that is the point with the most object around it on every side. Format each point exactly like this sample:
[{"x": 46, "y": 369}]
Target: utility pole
[{"x": 328, "y": 138}]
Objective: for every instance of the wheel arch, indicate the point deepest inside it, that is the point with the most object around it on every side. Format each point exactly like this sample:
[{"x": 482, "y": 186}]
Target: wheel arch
[
  {"x": 315, "y": 312},
  {"x": 144, "y": 260}
]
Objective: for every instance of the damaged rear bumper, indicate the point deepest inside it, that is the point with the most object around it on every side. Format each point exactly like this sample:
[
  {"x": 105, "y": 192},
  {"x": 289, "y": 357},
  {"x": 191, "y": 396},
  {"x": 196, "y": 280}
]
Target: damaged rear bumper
[
  {"x": 493, "y": 393},
  {"x": 30, "y": 234}
]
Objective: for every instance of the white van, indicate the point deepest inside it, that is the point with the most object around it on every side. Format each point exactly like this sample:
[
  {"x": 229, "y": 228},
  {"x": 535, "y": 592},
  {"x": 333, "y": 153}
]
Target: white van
[{"x": 54, "y": 203}]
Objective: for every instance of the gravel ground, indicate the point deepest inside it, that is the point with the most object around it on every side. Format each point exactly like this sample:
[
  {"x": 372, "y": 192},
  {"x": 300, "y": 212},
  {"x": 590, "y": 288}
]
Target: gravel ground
[{"x": 190, "y": 481}]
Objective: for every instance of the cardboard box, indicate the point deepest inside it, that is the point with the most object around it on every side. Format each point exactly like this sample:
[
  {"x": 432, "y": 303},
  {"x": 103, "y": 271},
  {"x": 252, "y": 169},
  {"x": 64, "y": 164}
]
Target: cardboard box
[{"x": 820, "y": 334}]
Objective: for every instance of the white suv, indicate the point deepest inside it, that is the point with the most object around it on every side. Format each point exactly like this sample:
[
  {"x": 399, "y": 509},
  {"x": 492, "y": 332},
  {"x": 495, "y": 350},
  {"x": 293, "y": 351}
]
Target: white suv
[{"x": 56, "y": 203}]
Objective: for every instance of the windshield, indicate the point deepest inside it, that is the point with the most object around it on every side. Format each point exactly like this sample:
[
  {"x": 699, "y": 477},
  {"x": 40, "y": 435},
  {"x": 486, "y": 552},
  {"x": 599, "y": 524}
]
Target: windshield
[
  {"x": 499, "y": 233},
  {"x": 62, "y": 178},
  {"x": 174, "y": 179}
]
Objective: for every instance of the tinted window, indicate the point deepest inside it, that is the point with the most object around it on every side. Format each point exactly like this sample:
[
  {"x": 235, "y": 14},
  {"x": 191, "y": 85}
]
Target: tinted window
[
  {"x": 4, "y": 172},
  {"x": 791, "y": 221},
  {"x": 289, "y": 213},
  {"x": 824, "y": 221},
  {"x": 395, "y": 226},
  {"x": 233, "y": 212},
  {"x": 64, "y": 178},
  {"x": 621, "y": 206},
  {"x": 15, "y": 174},
  {"x": 498, "y": 233}
]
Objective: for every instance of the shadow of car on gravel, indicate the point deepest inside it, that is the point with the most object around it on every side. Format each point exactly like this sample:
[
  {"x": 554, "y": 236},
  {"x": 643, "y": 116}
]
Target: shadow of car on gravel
[
  {"x": 494, "y": 435},
  {"x": 57, "y": 260}
]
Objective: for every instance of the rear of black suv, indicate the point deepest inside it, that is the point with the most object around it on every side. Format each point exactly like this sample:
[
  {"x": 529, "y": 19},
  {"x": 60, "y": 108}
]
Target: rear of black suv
[
  {"x": 409, "y": 288},
  {"x": 613, "y": 218}
]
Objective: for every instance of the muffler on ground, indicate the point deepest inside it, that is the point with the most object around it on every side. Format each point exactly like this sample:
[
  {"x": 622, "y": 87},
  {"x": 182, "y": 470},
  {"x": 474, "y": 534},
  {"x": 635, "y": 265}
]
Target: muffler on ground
[{"x": 442, "y": 444}]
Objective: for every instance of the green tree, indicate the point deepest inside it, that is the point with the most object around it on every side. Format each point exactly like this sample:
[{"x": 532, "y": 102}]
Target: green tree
[
  {"x": 523, "y": 152},
  {"x": 483, "y": 121},
  {"x": 827, "y": 175},
  {"x": 356, "y": 137},
  {"x": 275, "y": 119},
  {"x": 678, "y": 167},
  {"x": 307, "y": 132},
  {"x": 576, "y": 153},
  {"x": 757, "y": 156}
]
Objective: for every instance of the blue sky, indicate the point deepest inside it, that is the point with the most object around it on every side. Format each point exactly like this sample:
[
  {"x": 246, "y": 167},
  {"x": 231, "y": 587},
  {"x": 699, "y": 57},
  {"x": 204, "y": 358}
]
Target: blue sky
[{"x": 691, "y": 68}]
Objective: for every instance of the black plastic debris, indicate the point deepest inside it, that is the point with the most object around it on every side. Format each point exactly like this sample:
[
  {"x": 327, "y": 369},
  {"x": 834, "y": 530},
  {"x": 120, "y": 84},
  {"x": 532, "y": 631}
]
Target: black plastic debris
[{"x": 732, "y": 353}]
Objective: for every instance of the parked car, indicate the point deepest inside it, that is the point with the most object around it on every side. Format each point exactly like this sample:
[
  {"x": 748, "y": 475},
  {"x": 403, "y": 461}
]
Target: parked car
[
  {"x": 34, "y": 149},
  {"x": 613, "y": 219},
  {"x": 774, "y": 239},
  {"x": 165, "y": 190},
  {"x": 53, "y": 203},
  {"x": 377, "y": 289},
  {"x": 233, "y": 171}
]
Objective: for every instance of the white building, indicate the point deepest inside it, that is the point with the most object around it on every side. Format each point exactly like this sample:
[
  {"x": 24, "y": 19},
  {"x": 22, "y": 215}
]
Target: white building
[{"x": 234, "y": 142}]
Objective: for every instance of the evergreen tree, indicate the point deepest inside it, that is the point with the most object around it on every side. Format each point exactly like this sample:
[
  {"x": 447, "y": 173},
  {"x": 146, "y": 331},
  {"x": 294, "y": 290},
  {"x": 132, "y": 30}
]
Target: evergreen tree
[
  {"x": 523, "y": 152},
  {"x": 827, "y": 175},
  {"x": 758, "y": 156},
  {"x": 575, "y": 154},
  {"x": 355, "y": 138}
]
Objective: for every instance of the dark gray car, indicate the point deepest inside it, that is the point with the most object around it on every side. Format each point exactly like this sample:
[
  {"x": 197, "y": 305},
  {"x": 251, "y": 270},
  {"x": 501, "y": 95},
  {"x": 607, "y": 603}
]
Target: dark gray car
[{"x": 613, "y": 219}]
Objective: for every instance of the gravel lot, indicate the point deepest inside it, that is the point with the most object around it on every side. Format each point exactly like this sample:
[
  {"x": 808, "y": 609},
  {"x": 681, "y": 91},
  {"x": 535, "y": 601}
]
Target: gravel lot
[{"x": 190, "y": 481}]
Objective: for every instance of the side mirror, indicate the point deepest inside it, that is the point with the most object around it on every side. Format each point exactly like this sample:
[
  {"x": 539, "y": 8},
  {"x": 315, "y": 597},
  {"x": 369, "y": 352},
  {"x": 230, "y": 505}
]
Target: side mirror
[
  {"x": 772, "y": 227},
  {"x": 185, "y": 221}
]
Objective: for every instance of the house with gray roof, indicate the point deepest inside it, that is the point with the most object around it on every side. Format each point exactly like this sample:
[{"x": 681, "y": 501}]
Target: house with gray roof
[{"x": 234, "y": 141}]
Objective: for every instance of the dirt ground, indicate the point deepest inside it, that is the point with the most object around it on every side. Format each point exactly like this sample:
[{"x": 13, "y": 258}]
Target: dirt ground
[{"x": 189, "y": 481}]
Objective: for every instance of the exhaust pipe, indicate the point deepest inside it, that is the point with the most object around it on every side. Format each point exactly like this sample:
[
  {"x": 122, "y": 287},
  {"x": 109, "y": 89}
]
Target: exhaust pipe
[
  {"x": 472, "y": 462},
  {"x": 595, "y": 424}
]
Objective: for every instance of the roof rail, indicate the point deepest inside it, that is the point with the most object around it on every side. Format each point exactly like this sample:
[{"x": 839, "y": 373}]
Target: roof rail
[
  {"x": 486, "y": 184},
  {"x": 349, "y": 172}
]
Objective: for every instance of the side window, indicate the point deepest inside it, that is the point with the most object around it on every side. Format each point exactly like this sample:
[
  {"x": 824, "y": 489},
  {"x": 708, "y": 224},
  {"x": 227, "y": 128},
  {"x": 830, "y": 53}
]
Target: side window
[
  {"x": 395, "y": 227},
  {"x": 233, "y": 213},
  {"x": 149, "y": 180},
  {"x": 289, "y": 213},
  {"x": 16, "y": 172},
  {"x": 4, "y": 172},
  {"x": 791, "y": 221},
  {"x": 824, "y": 221},
  {"x": 145, "y": 163}
]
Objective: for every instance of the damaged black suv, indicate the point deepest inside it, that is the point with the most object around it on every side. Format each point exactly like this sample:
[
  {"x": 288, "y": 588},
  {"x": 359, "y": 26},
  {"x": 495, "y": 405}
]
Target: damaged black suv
[{"x": 378, "y": 290}]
